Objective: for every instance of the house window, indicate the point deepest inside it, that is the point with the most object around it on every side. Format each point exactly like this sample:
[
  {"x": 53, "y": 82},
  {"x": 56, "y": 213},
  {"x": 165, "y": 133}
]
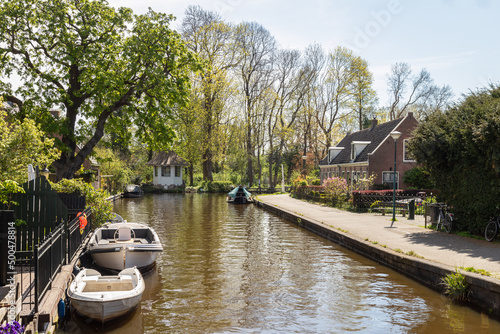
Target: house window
[
  {"x": 406, "y": 152},
  {"x": 165, "y": 171},
  {"x": 156, "y": 170},
  {"x": 353, "y": 152},
  {"x": 177, "y": 171},
  {"x": 388, "y": 179}
]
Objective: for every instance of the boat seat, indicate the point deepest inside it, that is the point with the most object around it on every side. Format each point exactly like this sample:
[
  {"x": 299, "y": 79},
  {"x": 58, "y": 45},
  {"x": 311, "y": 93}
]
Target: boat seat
[
  {"x": 103, "y": 242},
  {"x": 124, "y": 233}
]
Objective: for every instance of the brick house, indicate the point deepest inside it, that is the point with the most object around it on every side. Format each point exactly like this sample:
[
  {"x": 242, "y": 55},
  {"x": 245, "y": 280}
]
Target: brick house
[{"x": 371, "y": 152}]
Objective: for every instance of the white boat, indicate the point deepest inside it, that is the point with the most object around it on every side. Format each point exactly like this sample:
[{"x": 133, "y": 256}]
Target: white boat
[
  {"x": 123, "y": 245},
  {"x": 106, "y": 297}
]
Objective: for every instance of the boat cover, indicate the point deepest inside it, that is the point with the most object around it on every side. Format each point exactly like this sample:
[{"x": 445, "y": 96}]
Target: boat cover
[{"x": 233, "y": 192}]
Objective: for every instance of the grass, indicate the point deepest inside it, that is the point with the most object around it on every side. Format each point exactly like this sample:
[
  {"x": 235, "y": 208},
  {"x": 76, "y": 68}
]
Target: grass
[
  {"x": 456, "y": 286},
  {"x": 412, "y": 253},
  {"x": 477, "y": 271}
]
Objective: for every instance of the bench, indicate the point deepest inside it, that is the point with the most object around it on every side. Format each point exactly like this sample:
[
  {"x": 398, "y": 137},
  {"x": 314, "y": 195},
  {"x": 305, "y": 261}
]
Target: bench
[{"x": 383, "y": 206}]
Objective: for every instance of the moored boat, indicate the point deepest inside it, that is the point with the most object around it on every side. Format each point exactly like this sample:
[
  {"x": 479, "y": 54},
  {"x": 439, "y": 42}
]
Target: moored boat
[
  {"x": 105, "y": 298},
  {"x": 133, "y": 190},
  {"x": 239, "y": 195},
  {"x": 123, "y": 245}
]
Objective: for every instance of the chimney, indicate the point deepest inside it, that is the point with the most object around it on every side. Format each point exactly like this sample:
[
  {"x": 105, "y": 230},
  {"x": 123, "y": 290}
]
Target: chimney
[{"x": 374, "y": 122}]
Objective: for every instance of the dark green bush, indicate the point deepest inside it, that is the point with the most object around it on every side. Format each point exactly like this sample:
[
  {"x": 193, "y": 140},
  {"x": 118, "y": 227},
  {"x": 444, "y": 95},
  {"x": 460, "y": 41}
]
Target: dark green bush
[
  {"x": 216, "y": 186},
  {"x": 461, "y": 150},
  {"x": 418, "y": 178}
]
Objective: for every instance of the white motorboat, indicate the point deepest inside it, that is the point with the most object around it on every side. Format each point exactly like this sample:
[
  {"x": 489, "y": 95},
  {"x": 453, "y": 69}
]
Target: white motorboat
[
  {"x": 123, "y": 245},
  {"x": 106, "y": 297}
]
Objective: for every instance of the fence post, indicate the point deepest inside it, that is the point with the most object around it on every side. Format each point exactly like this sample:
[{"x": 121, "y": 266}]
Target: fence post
[
  {"x": 411, "y": 210},
  {"x": 37, "y": 279}
]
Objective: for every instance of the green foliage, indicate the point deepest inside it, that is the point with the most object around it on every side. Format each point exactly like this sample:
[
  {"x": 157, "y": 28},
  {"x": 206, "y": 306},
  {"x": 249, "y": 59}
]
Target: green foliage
[
  {"x": 101, "y": 208},
  {"x": 22, "y": 143},
  {"x": 7, "y": 189},
  {"x": 363, "y": 183},
  {"x": 456, "y": 286},
  {"x": 477, "y": 271},
  {"x": 461, "y": 150},
  {"x": 418, "y": 178},
  {"x": 316, "y": 182},
  {"x": 111, "y": 164},
  {"x": 106, "y": 68},
  {"x": 216, "y": 186}
]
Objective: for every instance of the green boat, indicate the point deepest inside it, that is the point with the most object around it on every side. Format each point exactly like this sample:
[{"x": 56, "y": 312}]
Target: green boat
[{"x": 239, "y": 195}]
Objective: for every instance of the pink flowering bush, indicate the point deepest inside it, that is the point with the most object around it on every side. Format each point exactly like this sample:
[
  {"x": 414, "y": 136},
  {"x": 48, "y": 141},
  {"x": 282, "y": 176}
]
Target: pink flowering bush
[{"x": 336, "y": 188}]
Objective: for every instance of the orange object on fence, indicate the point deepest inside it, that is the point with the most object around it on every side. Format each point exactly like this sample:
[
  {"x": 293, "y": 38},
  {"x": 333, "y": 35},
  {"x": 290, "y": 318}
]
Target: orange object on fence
[{"x": 83, "y": 221}]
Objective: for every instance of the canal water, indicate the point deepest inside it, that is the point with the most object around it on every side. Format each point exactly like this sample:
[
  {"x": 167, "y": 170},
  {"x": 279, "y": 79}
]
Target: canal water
[{"x": 239, "y": 269}]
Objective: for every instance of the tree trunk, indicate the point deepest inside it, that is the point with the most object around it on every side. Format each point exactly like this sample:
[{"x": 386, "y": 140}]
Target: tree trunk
[
  {"x": 271, "y": 183},
  {"x": 207, "y": 166},
  {"x": 191, "y": 175},
  {"x": 249, "y": 156}
]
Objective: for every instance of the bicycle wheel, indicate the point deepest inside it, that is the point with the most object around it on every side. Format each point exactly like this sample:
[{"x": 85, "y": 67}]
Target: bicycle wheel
[
  {"x": 491, "y": 230},
  {"x": 448, "y": 223}
]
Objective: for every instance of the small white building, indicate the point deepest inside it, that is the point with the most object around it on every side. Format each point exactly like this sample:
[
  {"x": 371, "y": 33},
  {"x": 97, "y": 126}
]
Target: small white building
[{"x": 167, "y": 169}]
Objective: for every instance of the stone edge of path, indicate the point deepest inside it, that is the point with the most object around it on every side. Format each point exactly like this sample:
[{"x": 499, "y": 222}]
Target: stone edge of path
[{"x": 485, "y": 290}]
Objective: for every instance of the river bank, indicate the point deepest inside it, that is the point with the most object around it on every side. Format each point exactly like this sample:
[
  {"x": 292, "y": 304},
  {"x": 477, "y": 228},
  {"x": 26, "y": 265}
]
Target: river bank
[{"x": 422, "y": 254}]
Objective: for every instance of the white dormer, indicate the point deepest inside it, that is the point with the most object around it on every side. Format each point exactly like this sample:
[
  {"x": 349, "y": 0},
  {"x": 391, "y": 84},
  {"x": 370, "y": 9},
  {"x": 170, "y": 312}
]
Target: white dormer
[
  {"x": 333, "y": 152},
  {"x": 357, "y": 147}
]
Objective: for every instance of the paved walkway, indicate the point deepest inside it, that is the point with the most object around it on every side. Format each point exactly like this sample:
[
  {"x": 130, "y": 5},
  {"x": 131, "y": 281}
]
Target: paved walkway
[{"x": 405, "y": 235}]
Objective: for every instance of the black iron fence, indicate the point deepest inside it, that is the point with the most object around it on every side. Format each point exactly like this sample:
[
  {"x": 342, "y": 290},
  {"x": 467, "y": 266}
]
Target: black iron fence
[
  {"x": 366, "y": 200},
  {"x": 40, "y": 266},
  {"x": 75, "y": 235},
  {"x": 49, "y": 257}
]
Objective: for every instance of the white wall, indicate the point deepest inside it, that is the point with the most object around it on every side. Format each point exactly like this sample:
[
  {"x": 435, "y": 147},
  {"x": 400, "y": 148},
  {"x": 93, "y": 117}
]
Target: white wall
[{"x": 165, "y": 181}]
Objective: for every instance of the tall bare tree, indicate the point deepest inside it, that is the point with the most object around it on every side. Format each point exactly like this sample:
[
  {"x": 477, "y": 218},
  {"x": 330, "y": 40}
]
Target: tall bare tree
[
  {"x": 414, "y": 92},
  {"x": 256, "y": 48},
  {"x": 334, "y": 91}
]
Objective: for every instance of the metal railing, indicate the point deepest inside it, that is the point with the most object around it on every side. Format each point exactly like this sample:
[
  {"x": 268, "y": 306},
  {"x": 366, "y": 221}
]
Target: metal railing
[
  {"x": 75, "y": 236},
  {"x": 58, "y": 248},
  {"x": 49, "y": 257}
]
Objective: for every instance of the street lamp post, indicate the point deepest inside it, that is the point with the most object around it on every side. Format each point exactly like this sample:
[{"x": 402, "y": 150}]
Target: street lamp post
[{"x": 395, "y": 135}]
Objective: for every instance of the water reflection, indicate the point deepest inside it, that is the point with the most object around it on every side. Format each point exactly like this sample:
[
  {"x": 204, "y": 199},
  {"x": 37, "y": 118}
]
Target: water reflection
[{"x": 238, "y": 269}]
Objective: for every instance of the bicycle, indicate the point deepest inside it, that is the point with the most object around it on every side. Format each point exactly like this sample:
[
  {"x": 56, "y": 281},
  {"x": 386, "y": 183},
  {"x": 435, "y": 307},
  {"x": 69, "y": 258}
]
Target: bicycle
[
  {"x": 445, "y": 219},
  {"x": 491, "y": 230}
]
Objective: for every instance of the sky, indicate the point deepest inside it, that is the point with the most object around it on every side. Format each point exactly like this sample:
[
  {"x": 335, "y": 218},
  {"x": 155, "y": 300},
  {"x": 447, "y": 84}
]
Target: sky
[{"x": 455, "y": 40}]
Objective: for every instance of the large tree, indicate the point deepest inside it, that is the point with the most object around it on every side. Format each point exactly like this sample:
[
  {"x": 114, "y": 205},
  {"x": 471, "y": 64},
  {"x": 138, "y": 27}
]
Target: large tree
[
  {"x": 101, "y": 67},
  {"x": 414, "y": 92},
  {"x": 208, "y": 36},
  {"x": 256, "y": 47}
]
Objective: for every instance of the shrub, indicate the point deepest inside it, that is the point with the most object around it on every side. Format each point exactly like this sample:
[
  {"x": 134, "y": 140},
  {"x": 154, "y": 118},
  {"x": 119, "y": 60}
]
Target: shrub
[
  {"x": 95, "y": 198},
  {"x": 316, "y": 182},
  {"x": 216, "y": 186},
  {"x": 461, "y": 149},
  {"x": 336, "y": 188},
  {"x": 418, "y": 178}
]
